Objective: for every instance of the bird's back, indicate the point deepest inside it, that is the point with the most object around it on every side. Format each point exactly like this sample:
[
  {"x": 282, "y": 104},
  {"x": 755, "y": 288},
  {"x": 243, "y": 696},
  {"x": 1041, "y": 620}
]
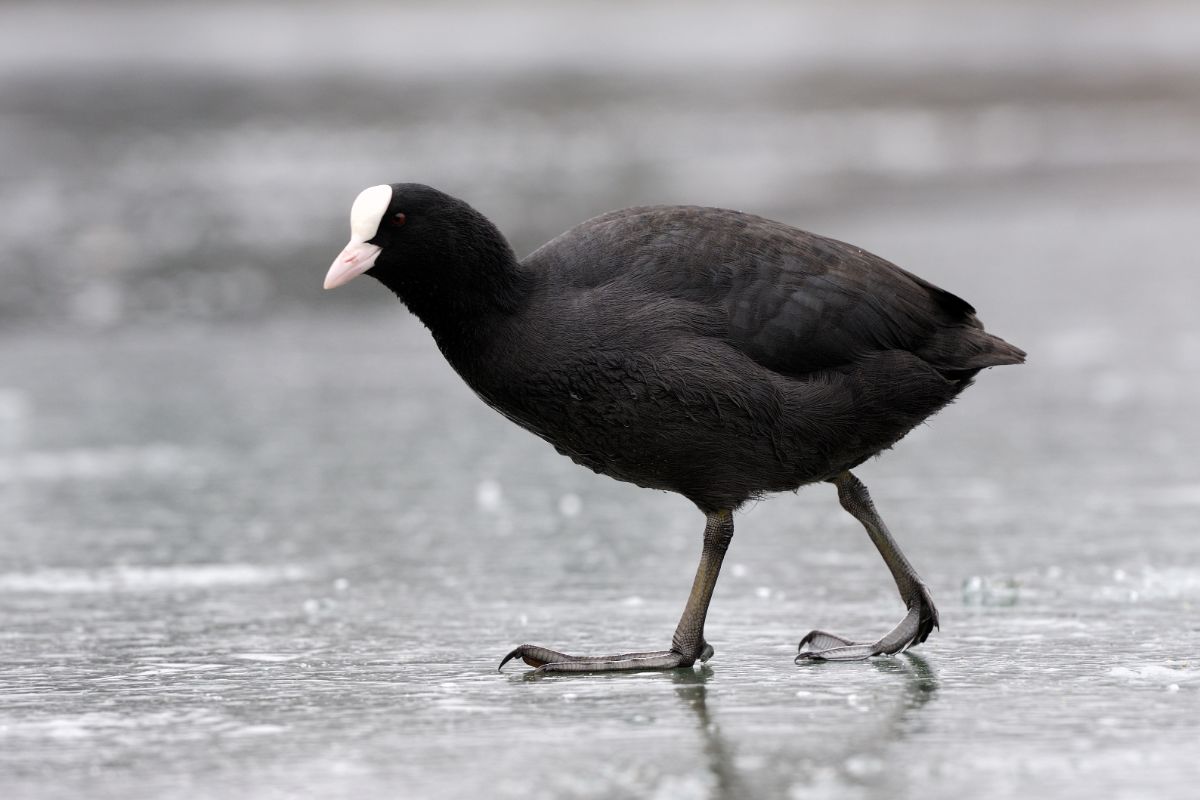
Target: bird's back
[{"x": 793, "y": 301}]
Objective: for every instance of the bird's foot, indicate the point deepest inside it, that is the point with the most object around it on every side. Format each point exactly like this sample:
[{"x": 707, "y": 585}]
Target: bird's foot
[
  {"x": 915, "y": 628},
  {"x": 545, "y": 660}
]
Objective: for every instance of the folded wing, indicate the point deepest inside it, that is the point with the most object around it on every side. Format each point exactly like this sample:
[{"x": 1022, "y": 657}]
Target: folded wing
[{"x": 793, "y": 301}]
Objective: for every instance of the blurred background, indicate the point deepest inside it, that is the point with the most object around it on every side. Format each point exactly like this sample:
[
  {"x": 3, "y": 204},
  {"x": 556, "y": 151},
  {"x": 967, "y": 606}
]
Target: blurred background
[
  {"x": 258, "y": 540},
  {"x": 175, "y": 160}
]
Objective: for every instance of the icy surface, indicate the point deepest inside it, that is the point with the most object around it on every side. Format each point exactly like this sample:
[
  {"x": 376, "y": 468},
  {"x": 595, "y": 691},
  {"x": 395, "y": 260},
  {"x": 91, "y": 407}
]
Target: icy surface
[{"x": 288, "y": 570}]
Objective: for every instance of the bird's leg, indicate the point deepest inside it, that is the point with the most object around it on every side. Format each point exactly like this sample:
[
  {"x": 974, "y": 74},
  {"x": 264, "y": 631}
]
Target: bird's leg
[
  {"x": 687, "y": 645},
  {"x": 922, "y": 616},
  {"x": 688, "y": 640}
]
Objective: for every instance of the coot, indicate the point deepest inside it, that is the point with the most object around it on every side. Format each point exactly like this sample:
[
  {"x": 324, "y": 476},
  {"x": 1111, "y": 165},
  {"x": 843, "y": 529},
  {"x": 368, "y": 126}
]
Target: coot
[{"x": 702, "y": 351}]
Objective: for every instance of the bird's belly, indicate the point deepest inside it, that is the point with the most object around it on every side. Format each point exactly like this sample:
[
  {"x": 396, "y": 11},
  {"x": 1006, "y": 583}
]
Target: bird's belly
[
  {"x": 717, "y": 457},
  {"x": 736, "y": 434}
]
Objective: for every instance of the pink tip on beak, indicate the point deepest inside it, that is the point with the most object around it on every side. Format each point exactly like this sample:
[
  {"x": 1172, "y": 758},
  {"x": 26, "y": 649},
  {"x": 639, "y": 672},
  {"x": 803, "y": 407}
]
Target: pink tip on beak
[{"x": 354, "y": 260}]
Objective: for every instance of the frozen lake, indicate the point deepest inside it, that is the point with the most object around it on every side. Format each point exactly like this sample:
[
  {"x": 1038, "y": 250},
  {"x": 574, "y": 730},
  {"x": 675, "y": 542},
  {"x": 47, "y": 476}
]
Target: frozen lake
[{"x": 257, "y": 542}]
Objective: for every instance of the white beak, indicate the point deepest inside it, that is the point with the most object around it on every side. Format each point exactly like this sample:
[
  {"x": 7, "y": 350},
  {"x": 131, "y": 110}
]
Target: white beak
[{"x": 354, "y": 260}]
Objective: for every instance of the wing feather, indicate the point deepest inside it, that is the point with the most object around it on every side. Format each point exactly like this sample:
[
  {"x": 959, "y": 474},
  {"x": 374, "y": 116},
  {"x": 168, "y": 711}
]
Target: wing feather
[{"x": 793, "y": 301}]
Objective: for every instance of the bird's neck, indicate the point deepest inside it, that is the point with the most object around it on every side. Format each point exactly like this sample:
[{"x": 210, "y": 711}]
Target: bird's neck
[{"x": 462, "y": 292}]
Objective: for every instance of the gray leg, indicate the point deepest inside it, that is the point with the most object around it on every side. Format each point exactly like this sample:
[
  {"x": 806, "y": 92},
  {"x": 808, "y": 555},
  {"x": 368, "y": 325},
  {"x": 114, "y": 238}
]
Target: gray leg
[
  {"x": 687, "y": 645},
  {"x": 922, "y": 616}
]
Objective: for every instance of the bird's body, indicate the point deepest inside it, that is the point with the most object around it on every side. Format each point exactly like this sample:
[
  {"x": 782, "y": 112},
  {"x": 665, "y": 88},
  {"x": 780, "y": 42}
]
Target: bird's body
[
  {"x": 703, "y": 351},
  {"x": 792, "y": 360}
]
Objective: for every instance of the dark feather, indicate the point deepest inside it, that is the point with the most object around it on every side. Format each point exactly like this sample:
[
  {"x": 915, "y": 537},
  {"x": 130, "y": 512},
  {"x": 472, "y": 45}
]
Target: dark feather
[{"x": 703, "y": 351}]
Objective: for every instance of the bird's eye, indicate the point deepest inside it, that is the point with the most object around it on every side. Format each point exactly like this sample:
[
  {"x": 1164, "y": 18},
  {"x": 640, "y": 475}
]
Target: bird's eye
[{"x": 397, "y": 220}]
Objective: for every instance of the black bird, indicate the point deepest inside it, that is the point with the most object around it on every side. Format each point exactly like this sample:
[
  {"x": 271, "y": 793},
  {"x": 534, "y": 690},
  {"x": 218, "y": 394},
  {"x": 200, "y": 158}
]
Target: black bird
[{"x": 702, "y": 351}]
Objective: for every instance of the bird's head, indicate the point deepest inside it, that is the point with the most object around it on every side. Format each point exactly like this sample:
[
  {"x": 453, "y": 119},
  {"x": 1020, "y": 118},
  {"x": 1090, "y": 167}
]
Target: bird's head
[
  {"x": 394, "y": 226},
  {"x": 444, "y": 259}
]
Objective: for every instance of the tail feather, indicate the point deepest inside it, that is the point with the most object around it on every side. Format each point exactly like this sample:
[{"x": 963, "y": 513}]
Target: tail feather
[{"x": 969, "y": 347}]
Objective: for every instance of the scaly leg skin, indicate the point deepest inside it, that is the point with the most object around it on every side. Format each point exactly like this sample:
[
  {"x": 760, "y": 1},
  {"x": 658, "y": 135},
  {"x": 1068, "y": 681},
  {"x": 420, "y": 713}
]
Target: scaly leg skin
[
  {"x": 922, "y": 616},
  {"x": 687, "y": 646}
]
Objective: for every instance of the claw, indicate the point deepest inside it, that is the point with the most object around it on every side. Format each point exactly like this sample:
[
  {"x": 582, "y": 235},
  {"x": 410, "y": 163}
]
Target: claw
[
  {"x": 914, "y": 629},
  {"x": 534, "y": 656},
  {"x": 516, "y": 652}
]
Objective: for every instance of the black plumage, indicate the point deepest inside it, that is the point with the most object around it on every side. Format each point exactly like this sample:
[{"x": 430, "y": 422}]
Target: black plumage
[{"x": 704, "y": 351}]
